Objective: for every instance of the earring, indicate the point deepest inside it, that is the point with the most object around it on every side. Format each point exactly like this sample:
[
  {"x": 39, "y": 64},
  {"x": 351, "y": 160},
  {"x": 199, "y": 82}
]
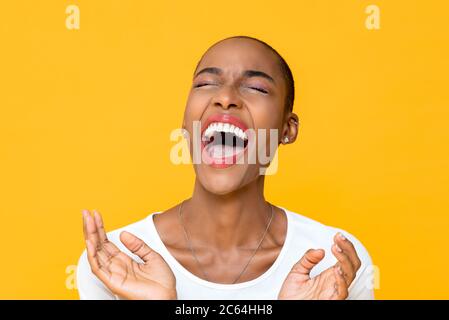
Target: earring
[{"x": 286, "y": 140}]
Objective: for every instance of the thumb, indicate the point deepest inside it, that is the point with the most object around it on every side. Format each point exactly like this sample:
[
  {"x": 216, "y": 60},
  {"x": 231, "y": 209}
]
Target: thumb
[
  {"x": 309, "y": 260},
  {"x": 136, "y": 245}
]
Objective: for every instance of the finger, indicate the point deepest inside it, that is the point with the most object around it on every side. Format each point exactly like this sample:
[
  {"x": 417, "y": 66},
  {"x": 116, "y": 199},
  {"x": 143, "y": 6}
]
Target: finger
[
  {"x": 344, "y": 263},
  {"x": 100, "y": 226},
  {"x": 110, "y": 248},
  {"x": 310, "y": 259},
  {"x": 101, "y": 241},
  {"x": 346, "y": 245},
  {"x": 91, "y": 231},
  {"x": 95, "y": 266},
  {"x": 85, "y": 213},
  {"x": 136, "y": 246},
  {"x": 341, "y": 288},
  {"x": 104, "y": 259}
]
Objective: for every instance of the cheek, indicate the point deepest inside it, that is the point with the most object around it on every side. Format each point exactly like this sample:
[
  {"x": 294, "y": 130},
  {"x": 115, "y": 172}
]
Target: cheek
[
  {"x": 266, "y": 111},
  {"x": 266, "y": 115},
  {"x": 269, "y": 117},
  {"x": 195, "y": 107}
]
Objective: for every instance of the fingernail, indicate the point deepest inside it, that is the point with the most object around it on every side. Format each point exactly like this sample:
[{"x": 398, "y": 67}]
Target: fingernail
[
  {"x": 85, "y": 212},
  {"x": 338, "y": 248},
  {"x": 342, "y": 237},
  {"x": 340, "y": 271}
]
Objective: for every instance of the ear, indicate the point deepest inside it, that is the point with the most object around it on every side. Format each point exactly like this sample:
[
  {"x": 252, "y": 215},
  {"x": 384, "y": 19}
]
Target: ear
[{"x": 290, "y": 129}]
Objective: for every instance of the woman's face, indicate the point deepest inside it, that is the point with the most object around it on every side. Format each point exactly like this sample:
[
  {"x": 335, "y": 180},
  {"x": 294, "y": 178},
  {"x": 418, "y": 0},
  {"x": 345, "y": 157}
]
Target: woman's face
[{"x": 237, "y": 85}]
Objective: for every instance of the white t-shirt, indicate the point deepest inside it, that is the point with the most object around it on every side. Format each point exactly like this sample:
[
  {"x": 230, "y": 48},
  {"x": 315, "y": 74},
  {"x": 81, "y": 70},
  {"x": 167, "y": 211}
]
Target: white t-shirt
[{"x": 302, "y": 234}]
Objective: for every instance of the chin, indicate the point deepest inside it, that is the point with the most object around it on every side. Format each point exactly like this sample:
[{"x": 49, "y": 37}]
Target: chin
[{"x": 223, "y": 181}]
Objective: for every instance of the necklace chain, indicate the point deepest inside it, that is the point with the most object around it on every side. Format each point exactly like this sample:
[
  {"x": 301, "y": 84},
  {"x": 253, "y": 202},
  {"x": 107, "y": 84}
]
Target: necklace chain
[{"x": 196, "y": 258}]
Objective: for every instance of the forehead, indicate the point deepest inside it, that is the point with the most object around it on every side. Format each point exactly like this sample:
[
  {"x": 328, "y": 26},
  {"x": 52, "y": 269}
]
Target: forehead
[{"x": 236, "y": 55}]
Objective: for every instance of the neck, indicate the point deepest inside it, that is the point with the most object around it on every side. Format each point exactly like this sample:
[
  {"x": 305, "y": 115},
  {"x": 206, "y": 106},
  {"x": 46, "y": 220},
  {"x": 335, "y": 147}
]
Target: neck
[{"x": 227, "y": 221}]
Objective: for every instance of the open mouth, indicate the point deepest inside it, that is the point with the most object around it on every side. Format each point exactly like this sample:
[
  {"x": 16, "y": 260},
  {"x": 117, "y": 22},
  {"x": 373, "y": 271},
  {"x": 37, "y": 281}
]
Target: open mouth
[{"x": 223, "y": 139}]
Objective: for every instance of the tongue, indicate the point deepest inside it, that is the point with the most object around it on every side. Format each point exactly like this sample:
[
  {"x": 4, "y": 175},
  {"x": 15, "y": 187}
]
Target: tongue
[{"x": 222, "y": 151}]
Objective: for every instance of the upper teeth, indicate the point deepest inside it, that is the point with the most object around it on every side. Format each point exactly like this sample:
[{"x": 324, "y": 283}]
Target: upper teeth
[{"x": 224, "y": 127}]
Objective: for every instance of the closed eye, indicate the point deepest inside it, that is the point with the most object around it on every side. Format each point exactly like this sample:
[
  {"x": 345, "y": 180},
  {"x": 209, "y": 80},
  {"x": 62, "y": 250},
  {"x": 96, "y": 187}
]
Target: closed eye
[
  {"x": 202, "y": 84},
  {"x": 259, "y": 89}
]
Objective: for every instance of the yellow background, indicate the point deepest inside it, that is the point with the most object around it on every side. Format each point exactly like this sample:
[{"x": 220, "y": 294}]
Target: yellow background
[{"x": 86, "y": 116}]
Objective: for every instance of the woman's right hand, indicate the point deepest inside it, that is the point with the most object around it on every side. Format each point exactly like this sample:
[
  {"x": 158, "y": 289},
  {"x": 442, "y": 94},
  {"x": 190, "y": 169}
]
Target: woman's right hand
[{"x": 126, "y": 278}]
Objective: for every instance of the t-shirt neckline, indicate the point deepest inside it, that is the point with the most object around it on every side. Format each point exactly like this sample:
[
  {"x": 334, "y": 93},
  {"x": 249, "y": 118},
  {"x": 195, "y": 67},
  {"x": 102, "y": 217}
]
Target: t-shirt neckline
[{"x": 223, "y": 286}]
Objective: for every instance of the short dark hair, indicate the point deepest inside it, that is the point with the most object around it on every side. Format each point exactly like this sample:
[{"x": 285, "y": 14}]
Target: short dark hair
[{"x": 285, "y": 69}]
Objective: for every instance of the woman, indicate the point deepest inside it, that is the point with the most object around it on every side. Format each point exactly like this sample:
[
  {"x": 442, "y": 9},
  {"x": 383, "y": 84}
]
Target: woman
[{"x": 227, "y": 241}]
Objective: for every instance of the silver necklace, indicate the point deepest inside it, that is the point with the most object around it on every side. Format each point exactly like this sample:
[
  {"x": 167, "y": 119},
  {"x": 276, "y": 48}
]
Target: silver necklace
[{"x": 196, "y": 258}]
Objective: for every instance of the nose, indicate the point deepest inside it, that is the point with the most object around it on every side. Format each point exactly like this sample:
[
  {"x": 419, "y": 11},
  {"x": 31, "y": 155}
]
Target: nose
[{"x": 227, "y": 97}]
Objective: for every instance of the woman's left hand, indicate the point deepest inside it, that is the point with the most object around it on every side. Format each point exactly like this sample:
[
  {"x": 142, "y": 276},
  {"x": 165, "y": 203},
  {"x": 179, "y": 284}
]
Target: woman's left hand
[{"x": 332, "y": 283}]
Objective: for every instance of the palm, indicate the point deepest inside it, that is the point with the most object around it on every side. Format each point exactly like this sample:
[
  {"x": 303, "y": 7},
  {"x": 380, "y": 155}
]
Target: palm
[
  {"x": 151, "y": 279},
  {"x": 298, "y": 287},
  {"x": 298, "y": 284},
  {"x": 134, "y": 280}
]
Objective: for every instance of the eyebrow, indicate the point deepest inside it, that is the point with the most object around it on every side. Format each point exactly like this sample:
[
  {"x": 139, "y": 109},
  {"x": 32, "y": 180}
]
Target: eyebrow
[{"x": 246, "y": 73}]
